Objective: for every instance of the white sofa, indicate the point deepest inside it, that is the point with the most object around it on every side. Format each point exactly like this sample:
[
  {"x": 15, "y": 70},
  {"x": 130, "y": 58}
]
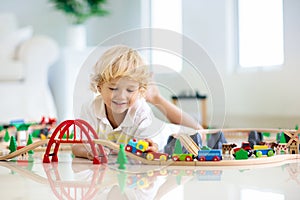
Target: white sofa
[{"x": 24, "y": 62}]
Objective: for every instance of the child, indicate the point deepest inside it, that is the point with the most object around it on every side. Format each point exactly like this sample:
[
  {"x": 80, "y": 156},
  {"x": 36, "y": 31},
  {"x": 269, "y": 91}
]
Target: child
[{"x": 119, "y": 111}]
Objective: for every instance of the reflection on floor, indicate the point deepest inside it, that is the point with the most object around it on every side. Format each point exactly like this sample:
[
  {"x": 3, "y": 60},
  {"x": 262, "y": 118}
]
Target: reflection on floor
[{"x": 74, "y": 178}]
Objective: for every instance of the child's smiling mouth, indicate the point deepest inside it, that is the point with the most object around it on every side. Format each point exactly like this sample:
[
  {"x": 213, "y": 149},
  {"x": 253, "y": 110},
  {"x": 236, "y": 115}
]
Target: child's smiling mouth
[{"x": 119, "y": 103}]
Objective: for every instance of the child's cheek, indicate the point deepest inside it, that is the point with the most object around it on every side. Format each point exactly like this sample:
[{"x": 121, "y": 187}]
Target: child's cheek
[{"x": 133, "y": 99}]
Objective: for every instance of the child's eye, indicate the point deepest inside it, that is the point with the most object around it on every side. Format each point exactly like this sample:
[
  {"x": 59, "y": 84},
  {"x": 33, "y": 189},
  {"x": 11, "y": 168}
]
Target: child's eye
[
  {"x": 112, "y": 88},
  {"x": 131, "y": 90}
]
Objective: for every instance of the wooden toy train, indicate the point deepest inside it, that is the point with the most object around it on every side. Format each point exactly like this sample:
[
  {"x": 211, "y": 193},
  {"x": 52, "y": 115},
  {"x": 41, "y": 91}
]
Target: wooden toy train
[{"x": 137, "y": 149}]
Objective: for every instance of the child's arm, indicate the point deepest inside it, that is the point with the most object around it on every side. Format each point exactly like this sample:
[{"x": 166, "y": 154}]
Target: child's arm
[
  {"x": 84, "y": 151},
  {"x": 171, "y": 111}
]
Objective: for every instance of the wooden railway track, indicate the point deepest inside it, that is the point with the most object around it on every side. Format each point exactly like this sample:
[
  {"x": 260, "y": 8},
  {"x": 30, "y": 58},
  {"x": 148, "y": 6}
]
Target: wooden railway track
[
  {"x": 38, "y": 146},
  {"x": 23, "y": 150},
  {"x": 190, "y": 145}
]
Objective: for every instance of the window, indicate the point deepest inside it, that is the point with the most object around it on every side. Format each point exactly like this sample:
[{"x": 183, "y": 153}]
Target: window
[
  {"x": 165, "y": 15},
  {"x": 260, "y": 33}
]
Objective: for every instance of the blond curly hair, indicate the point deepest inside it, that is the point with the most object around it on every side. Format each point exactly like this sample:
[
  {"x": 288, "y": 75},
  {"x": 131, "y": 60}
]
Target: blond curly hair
[{"x": 119, "y": 62}]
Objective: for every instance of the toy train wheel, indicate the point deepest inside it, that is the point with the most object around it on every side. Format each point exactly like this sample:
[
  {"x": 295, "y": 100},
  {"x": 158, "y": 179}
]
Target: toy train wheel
[
  {"x": 216, "y": 158},
  {"x": 139, "y": 152},
  {"x": 163, "y": 157},
  {"x": 175, "y": 158},
  {"x": 249, "y": 153},
  {"x": 128, "y": 148},
  {"x": 188, "y": 158},
  {"x": 149, "y": 156},
  {"x": 270, "y": 153},
  {"x": 258, "y": 154},
  {"x": 202, "y": 158}
]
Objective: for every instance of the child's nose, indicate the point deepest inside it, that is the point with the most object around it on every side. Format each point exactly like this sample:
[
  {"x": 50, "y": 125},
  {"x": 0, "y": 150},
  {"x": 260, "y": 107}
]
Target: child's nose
[{"x": 122, "y": 93}]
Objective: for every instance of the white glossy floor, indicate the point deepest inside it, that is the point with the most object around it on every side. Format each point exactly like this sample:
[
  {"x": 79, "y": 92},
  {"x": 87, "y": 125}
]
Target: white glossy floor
[{"x": 73, "y": 178}]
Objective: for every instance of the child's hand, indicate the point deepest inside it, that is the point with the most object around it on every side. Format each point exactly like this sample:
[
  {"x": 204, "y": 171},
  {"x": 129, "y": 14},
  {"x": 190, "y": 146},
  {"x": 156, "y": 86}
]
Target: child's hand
[
  {"x": 152, "y": 146},
  {"x": 90, "y": 154},
  {"x": 152, "y": 93}
]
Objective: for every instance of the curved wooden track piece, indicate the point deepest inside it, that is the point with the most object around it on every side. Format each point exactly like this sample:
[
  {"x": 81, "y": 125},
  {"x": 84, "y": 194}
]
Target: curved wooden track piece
[
  {"x": 189, "y": 144},
  {"x": 23, "y": 150}
]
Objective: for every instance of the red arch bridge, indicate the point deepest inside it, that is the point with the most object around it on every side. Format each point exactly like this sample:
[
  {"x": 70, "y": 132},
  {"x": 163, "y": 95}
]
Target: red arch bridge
[{"x": 62, "y": 134}]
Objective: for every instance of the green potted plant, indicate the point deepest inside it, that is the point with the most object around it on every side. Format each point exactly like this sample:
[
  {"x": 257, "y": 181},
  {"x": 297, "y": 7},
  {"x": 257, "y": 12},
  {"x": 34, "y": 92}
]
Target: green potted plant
[{"x": 79, "y": 11}]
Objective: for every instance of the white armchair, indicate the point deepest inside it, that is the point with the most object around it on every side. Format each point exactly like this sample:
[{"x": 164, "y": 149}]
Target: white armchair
[{"x": 24, "y": 89}]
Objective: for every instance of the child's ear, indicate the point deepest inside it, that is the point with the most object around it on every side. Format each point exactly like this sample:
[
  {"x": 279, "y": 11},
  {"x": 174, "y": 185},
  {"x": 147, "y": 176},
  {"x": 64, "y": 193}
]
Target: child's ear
[
  {"x": 142, "y": 93},
  {"x": 99, "y": 88}
]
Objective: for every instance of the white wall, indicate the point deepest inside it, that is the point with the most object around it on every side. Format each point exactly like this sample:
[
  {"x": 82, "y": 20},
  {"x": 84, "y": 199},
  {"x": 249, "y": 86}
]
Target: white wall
[{"x": 124, "y": 15}]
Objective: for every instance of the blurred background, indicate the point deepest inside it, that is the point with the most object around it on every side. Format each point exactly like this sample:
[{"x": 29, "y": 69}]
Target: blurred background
[{"x": 236, "y": 37}]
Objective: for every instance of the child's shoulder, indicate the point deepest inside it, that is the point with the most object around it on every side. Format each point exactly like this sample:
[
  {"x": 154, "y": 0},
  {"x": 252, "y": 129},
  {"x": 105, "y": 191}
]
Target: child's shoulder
[
  {"x": 140, "y": 111},
  {"x": 90, "y": 104},
  {"x": 141, "y": 106}
]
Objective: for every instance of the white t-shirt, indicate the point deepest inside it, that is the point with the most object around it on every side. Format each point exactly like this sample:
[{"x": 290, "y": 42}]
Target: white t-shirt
[{"x": 139, "y": 123}]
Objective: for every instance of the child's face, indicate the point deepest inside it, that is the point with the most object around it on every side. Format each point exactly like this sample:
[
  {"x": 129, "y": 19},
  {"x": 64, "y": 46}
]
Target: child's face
[{"x": 119, "y": 94}]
